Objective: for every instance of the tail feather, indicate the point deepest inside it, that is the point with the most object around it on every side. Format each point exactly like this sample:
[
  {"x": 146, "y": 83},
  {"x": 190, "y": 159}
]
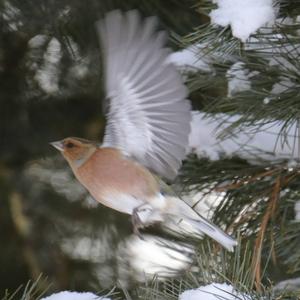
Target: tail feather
[
  {"x": 214, "y": 232},
  {"x": 183, "y": 219},
  {"x": 197, "y": 228}
]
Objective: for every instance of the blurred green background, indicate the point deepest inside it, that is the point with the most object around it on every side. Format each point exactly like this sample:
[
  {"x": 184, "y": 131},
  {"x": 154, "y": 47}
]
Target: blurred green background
[{"x": 51, "y": 86}]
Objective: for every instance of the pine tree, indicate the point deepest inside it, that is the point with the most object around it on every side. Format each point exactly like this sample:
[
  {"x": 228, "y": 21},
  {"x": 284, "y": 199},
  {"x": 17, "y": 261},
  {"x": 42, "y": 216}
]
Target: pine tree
[
  {"x": 41, "y": 216},
  {"x": 260, "y": 189}
]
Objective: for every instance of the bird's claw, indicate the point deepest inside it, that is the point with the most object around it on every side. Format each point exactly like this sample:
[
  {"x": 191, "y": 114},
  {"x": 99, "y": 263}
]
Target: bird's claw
[{"x": 137, "y": 224}]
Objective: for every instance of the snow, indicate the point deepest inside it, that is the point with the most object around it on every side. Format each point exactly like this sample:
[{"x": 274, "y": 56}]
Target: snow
[
  {"x": 292, "y": 284},
  {"x": 204, "y": 202},
  {"x": 66, "y": 295},
  {"x": 190, "y": 59},
  {"x": 245, "y": 17},
  {"x": 153, "y": 256},
  {"x": 48, "y": 75},
  {"x": 11, "y": 15},
  {"x": 195, "y": 58},
  {"x": 278, "y": 50},
  {"x": 250, "y": 145},
  {"x": 37, "y": 41},
  {"x": 80, "y": 69},
  {"x": 214, "y": 291},
  {"x": 136, "y": 258},
  {"x": 61, "y": 180},
  {"x": 86, "y": 248},
  {"x": 280, "y": 88},
  {"x": 238, "y": 78}
]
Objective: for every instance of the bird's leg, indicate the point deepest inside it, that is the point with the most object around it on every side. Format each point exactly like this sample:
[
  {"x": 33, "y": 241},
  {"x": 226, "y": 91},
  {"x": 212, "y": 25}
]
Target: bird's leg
[
  {"x": 141, "y": 217},
  {"x": 136, "y": 222}
]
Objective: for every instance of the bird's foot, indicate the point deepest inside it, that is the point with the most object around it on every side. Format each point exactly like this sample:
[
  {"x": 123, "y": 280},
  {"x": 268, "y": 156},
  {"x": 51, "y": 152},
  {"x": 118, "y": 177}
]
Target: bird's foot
[
  {"x": 137, "y": 223},
  {"x": 143, "y": 216}
]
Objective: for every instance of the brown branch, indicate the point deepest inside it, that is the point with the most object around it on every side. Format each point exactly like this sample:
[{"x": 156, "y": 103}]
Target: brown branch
[
  {"x": 236, "y": 185},
  {"x": 23, "y": 228},
  {"x": 270, "y": 213}
]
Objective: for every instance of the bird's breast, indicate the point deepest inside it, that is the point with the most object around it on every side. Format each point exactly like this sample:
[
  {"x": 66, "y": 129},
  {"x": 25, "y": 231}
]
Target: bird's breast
[{"x": 116, "y": 181}]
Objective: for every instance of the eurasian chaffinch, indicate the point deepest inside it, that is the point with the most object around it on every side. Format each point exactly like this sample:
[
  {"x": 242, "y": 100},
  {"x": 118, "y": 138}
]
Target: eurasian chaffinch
[{"x": 147, "y": 129}]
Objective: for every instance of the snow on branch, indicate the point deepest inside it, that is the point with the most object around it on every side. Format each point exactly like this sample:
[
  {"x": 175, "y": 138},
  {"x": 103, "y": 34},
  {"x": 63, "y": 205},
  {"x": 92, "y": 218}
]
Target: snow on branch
[
  {"x": 66, "y": 295},
  {"x": 244, "y": 17},
  {"x": 214, "y": 291}
]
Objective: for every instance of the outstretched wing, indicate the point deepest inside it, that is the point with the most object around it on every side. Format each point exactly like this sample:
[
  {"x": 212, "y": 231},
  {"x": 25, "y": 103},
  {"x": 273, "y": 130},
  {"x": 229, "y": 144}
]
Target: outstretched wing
[{"x": 148, "y": 116}]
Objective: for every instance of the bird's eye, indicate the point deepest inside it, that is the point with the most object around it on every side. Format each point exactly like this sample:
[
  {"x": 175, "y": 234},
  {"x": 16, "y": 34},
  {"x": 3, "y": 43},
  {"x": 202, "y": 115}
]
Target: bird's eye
[{"x": 70, "y": 145}]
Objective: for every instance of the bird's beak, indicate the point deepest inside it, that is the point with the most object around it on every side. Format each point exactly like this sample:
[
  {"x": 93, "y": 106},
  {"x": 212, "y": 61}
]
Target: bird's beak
[{"x": 58, "y": 145}]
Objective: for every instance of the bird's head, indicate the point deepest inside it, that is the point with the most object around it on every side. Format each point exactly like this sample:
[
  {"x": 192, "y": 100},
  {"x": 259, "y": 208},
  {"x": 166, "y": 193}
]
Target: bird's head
[{"x": 75, "y": 150}]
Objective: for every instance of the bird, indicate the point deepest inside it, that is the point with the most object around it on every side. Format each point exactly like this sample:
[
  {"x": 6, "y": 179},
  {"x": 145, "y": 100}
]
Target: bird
[{"x": 147, "y": 130}]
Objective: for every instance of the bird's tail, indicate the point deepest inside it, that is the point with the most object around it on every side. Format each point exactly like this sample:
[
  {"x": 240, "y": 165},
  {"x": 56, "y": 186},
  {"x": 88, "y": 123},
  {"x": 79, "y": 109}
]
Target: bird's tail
[
  {"x": 188, "y": 222},
  {"x": 204, "y": 226}
]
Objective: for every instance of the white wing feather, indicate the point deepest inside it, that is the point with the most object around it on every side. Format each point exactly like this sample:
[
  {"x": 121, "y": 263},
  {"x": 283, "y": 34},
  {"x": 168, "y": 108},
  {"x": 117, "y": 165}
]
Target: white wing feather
[{"x": 149, "y": 116}]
